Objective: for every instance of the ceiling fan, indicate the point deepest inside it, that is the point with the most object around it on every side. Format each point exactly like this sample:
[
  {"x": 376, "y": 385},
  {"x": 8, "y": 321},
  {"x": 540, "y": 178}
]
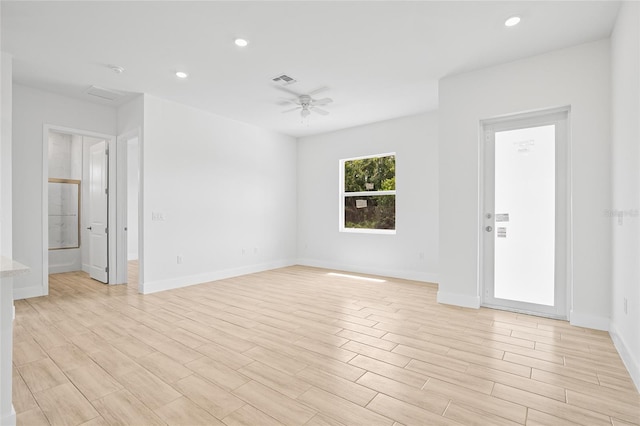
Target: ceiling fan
[{"x": 306, "y": 104}]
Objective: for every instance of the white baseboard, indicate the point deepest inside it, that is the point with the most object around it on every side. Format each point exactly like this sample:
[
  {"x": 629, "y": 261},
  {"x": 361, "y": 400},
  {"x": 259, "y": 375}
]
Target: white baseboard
[
  {"x": 630, "y": 361},
  {"x": 86, "y": 268},
  {"x": 63, "y": 267},
  {"x": 27, "y": 292},
  {"x": 458, "y": 300},
  {"x": 589, "y": 321},
  {"x": 392, "y": 273},
  {"x": 179, "y": 282}
]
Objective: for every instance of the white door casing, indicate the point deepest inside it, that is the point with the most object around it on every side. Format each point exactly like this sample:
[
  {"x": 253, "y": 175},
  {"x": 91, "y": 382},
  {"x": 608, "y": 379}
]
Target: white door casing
[
  {"x": 514, "y": 253},
  {"x": 98, "y": 212}
]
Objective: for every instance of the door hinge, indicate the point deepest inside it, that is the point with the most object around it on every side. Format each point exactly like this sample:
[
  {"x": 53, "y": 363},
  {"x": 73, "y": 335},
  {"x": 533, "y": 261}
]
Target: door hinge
[
  {"x": 106, "y": 152},
  {"x": 106, "y": 230},
  {"x": 106, "y": 269},
  {"x": 106, "y": 191}
]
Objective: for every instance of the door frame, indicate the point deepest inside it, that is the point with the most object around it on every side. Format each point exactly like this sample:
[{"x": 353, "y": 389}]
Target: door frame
[
  {"x": 110, "y": 142},
  {"x": 568, "y": 261},
  {"x": 121, "y": 267}
]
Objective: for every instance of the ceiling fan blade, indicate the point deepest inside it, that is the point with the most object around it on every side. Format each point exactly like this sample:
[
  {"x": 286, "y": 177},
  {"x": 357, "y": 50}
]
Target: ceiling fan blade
[
  {"x": 322, "y": 101},
  {"x": 319, "y": 111},
  {"x": 285, "y": 101},
  {"x": 289, "y": 91},
  {"x": 292, "y": 109},
  {"x": 318, "y": 90}
]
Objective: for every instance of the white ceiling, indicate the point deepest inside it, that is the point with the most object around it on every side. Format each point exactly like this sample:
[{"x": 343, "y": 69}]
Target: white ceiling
[{"x": 379, "y": 59}]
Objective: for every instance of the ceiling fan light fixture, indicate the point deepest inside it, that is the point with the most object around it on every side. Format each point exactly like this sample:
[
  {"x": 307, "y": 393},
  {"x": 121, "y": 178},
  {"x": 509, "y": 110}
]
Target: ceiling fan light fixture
[
  {"x": 512, "y": 21},
  {"x": 240, "y": 42},
  {"x": 181, "y": 74},
  {"x": 305, "y": 112}
]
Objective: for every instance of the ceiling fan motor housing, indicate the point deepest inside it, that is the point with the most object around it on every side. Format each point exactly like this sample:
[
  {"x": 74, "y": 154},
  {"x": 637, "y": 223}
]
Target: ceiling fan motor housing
[{"x": 305, "y": 101}]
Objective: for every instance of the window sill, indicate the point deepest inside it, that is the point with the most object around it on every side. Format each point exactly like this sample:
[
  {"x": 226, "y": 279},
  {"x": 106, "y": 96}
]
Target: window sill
[{"x": 368, "y": 231}]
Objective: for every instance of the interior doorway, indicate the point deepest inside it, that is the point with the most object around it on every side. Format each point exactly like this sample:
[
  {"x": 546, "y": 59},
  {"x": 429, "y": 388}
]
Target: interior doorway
[
  {"x": 129, "y": 219},
  {"x": 78, "y": 209},
  {"x": 77, "y": 240},
  {"x": 525, "y": 218}
]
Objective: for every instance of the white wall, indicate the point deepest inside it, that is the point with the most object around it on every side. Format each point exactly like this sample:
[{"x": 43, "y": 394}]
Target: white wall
[
  {"x": 32, "y": 109},
  {"x": 6, "y": 94},
  {"x": 625, "y": 120},
  {"x": 578, "y": 76},
  {"x": 7, "y": 413},
  {"x": 413, "y": 252},
  {"x": 131, "y": 115},
  {"x": 221, "y": 186}
]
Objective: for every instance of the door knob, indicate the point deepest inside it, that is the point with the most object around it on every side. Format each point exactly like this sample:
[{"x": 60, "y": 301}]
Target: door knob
[
  {"x": 488, "y": 228},
  {"x": 89, "y": 228}
]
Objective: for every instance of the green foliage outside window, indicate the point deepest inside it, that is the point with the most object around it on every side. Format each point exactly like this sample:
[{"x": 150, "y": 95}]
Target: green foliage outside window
[
  {"x": 379, "y": 171},
  {"x": 370, "y": 175}
]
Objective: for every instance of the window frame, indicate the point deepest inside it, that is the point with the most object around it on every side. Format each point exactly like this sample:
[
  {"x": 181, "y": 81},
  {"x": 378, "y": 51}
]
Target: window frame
[{"x": 342, "y": 194}]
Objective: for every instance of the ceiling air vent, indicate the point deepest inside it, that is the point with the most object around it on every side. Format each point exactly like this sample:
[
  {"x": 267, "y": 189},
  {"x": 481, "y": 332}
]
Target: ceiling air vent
[
  {"x": 283, "y": 79},
  {"x": 102, "y": 93}
]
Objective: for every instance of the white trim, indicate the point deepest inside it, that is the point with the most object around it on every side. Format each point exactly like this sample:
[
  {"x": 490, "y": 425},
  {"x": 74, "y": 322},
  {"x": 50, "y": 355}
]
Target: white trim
[
  {"x": 362, "y": 157},
  {"x": 457, "y": 299},
  {"x": 369, "y": 193},
  {"x": 141, "y": 220},
  {"x": 632, "y": 364},
  {"x": 368, "y": 231},
  {"x": 121, "y": 159},
  {"x": 342, "y": 195},
  {"x": 179, "y": 282},
  {"x": 524, "y": 311},
  {"x": 44, "y": 284},
  {"x": 425, "y": 277},
  {"x": 589, "y": 321},
  {"x": 559, "y": 116},
  {"x": 556, "y": 112},
  {"x": 62, "y": 267}
]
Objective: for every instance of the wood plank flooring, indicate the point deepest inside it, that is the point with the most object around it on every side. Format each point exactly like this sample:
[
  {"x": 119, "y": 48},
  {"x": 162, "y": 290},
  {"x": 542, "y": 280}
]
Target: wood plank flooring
[{"x": 297, "y": 346}]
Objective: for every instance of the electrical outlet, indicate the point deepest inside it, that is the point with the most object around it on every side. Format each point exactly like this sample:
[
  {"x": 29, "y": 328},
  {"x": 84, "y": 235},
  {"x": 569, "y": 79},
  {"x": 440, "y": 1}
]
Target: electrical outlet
[
  {"x": 243, "y": 251},
  {"x": 179, "y": 260},
  {"x": 625, "y": 306},
  {"x": 255, "y": 250},
  {"x": 421, "y": 256}
]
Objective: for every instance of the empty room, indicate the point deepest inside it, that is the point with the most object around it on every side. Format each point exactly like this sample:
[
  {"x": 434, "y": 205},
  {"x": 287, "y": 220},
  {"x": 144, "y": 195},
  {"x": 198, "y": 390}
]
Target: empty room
[{"x": 320, "y": 213}]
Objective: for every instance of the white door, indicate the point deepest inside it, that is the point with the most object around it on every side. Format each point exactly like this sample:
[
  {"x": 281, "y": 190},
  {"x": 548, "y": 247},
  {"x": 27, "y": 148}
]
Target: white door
[
  {"x": 525, "y": 214},
  {"x": 98, "y": 212}
]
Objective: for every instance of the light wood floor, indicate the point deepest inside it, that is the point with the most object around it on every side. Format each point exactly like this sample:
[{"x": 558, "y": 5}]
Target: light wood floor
[{"x": 297, "y": 346}]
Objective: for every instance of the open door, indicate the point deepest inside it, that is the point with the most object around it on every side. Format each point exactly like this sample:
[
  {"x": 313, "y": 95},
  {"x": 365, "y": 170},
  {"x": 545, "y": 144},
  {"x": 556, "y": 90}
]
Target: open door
[{"x": 98, "y": 212}]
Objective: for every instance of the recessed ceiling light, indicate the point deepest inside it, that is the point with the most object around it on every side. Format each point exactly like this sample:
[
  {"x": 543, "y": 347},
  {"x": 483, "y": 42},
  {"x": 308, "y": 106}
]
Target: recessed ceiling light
[
  {"x": 181, "y": 74},
  {"x": 512, "y": 21},
  {"x": 241, "y": 42}
]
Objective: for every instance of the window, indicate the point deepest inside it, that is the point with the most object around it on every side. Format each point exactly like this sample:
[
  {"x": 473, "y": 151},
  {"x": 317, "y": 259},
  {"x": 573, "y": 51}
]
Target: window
[{"x": 368, "y": 194}]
